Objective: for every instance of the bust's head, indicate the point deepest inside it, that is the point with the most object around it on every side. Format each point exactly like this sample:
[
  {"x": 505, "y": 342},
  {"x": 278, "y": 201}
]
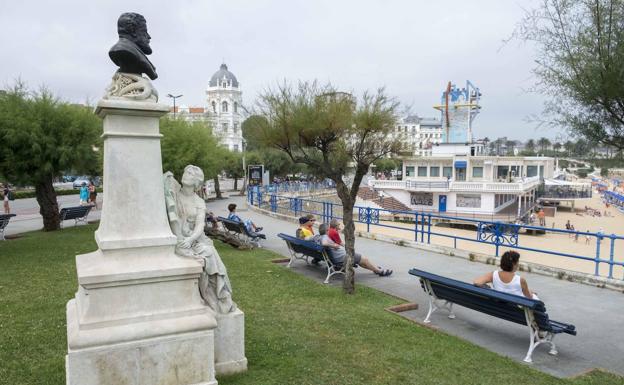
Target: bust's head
[{"x": 133, "y": 27}]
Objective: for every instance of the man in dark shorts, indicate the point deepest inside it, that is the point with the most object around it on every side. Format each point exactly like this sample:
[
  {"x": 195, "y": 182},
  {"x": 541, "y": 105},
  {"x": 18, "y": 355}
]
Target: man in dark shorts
[{"x": 337, "y": 253}]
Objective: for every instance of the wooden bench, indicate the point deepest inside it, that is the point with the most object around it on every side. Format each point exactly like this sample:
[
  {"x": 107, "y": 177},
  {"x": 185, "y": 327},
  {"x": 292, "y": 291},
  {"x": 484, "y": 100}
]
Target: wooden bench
[
  {"x": 77, "y": 213},
  {"x": 308, "y": 250},
  {"x": 240, "y": 231},
  {"x": 4, "y": 221},
  {"x": 513, "y": 308}
]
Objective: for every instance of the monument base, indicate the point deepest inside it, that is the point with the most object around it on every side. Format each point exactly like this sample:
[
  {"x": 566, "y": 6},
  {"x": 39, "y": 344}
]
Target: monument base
[
  {"x": 181, "y": 360},
  {"x": 230, "y": 343},
  {"x": 138, "y": 318}
]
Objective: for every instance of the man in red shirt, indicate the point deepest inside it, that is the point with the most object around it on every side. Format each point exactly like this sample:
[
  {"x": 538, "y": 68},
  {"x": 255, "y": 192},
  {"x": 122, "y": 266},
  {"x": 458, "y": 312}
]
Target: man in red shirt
[{"x": 334, "y": 235}]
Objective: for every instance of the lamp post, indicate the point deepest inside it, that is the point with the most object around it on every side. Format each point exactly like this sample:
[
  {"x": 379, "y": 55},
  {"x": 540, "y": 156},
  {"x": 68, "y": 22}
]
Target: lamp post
[
  {"x": 244, "y": 168},
  {"x": 174, "y": 100}
]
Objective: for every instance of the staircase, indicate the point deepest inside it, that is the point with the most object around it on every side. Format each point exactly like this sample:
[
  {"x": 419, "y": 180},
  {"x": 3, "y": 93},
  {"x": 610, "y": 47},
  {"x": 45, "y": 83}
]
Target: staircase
[{"x": 387, "y": 202}]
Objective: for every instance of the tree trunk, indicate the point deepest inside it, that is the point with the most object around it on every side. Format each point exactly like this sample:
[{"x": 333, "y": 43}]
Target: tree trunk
[
  {"x": 48, "y": 206},
  {"x": 216, "y": 187},
  {"x": 348, "y": 285},
  {"x": 235, "y": 184}
]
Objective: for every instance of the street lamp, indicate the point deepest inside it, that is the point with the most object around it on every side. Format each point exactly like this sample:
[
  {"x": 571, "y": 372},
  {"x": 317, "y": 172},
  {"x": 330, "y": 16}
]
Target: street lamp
[
  {"x": 174, "y": 99},
  {"x": 244, "y": 142}
]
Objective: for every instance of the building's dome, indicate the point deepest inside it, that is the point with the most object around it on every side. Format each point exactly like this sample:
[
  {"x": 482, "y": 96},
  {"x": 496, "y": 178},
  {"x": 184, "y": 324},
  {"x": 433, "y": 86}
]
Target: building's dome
[{"x": 221, "y": 74}]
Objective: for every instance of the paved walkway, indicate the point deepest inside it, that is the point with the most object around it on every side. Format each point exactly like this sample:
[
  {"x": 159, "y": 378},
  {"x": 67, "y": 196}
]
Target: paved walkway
[{"x": 597, "y": 313}]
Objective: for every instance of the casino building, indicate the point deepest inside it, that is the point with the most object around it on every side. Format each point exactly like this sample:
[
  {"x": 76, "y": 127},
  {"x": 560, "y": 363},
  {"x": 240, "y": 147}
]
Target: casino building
[{"x": 223, "y": 109}]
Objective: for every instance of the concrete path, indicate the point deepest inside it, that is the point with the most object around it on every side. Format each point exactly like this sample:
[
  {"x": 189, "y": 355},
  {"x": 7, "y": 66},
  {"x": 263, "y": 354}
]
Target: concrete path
[{"x": 597, "y": 313}]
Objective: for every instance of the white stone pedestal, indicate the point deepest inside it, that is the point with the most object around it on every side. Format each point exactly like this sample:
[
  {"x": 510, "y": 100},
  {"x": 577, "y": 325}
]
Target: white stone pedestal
[
  {"x": 230, "y": 343},
  {"x": 138, "y": 317}
]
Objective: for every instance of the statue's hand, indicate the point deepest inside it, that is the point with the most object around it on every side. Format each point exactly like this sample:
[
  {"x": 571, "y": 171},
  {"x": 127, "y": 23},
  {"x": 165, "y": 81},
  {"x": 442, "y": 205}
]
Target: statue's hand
[{"x": 186, "y": 243}]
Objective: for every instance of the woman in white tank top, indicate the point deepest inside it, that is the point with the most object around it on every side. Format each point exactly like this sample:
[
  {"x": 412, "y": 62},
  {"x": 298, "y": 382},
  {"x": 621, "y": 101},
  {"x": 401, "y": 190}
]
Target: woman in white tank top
[{"x": 506, "y": 279}]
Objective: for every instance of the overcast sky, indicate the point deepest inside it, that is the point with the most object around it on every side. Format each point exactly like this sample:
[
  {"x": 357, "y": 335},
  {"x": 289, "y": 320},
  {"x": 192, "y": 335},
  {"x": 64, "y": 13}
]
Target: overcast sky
[{"x": 413, "y": 48}]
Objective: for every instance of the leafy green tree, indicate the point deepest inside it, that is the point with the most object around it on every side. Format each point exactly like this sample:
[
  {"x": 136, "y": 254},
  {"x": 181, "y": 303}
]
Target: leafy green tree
[
  {"x": 234, "y": 166},
  {"x": 252, "y": 130},
  {"x": 333, "y": 135},
  {"x": 569, "y": 147},
  {"x": 40, "y": 138},
  {"x": 580, "y": 65},
  {"x": 529, "y": 147},
  {"x": 557, "y": 146},
  {"x": 386, "y": 165},
  {"x": 511, "y": 145},
  {"x": 185, "y": 143}
]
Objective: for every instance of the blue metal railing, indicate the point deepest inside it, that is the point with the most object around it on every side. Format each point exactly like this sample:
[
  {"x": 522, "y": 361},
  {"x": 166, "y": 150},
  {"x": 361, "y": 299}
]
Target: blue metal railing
[{"x": 495, "y": 233}]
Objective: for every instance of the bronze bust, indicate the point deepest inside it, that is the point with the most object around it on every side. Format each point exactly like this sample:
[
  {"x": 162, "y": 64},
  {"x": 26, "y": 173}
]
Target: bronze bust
[{"x": 129, "y": 53}]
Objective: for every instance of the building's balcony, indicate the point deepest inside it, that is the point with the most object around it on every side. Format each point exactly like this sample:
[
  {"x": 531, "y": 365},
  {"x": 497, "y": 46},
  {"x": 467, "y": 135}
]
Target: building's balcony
[{"x": 517, "y": 186}]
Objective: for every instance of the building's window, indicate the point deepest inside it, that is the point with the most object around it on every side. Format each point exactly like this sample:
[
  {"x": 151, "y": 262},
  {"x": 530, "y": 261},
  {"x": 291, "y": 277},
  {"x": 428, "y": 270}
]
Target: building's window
[
  {"x": 531, "y": 171},
  {"x": 447, "y": 172},
  {"x": 224, "y": 126},
  {"x": 409, "y": 171},
  {"x": 235, "y": 107},
  {"x": 236, "y": 147},
  {"x": 224, "y": 106},
  {"x": 235, "y": 124},
  {"x": 214, "y": 106},
  {"x": 477, "y": 172},
  {"x": 224, "y": 84},
  {"x": 422, "y": 171},
  {"x": 434, "y": 171}
]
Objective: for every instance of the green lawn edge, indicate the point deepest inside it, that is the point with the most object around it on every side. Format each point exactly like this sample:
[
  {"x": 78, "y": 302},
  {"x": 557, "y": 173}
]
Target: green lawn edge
[{"x": 297, "y": 330}]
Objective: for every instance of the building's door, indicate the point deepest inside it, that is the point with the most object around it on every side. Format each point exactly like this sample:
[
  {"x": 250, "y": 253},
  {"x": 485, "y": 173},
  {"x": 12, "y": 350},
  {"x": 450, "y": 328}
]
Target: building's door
[{"x": 442, "y": 203}]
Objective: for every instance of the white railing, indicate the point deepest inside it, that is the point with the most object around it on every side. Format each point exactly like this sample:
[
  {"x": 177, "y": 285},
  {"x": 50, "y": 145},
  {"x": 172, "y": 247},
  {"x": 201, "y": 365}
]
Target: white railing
[{"x": 442, "y": 185}]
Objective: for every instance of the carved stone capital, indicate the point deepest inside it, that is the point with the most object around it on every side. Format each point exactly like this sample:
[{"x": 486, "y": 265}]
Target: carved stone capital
[{"x": 127, "y": 86}]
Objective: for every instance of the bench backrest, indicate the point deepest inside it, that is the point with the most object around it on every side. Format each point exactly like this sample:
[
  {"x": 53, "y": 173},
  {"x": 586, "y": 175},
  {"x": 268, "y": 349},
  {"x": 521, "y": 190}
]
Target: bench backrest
[
  {"x": 4, "y": 220},
  {"x": 301, "y": 246},
  {"x": 74, "y": 212},
  {"x": 495, "y": 303},
  {"x": 231, "y": 225}
]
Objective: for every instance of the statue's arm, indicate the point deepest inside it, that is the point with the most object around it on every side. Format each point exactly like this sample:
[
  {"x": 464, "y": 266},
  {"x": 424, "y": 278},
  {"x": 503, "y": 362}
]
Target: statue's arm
[
  {"x": 171, "y": 186},
  {"x": 200, "y": 220}
]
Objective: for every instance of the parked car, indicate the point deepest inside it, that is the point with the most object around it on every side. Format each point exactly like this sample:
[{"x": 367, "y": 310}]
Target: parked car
[{"x": 80, "y": 180}]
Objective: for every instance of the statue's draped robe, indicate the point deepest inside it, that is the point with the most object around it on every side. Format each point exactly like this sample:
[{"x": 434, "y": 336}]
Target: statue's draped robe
[{"x": 214, "y": 284}]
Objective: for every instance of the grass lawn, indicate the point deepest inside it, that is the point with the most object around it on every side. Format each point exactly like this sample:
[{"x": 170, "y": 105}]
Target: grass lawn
[{"x": 297, "y": 330}]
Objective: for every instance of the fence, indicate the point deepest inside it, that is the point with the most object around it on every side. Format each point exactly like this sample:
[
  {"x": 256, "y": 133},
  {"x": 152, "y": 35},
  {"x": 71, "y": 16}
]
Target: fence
[{"x": 422, "y": 226}]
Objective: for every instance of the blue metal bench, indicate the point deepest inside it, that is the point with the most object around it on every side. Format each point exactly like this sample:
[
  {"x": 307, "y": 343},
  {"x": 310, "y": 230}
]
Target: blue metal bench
[
  {"x": 77, "y": 213},
  {"x": 4, "y": 221},
  {"x": 306, "y": 250},
  {"x": 520, "y": 310},
  {"x": 239, "y": 230}
]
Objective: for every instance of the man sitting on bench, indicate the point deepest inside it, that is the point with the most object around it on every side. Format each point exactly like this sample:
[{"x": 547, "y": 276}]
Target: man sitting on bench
[
  {"x": 337, "y": 253},
  {"x": 506, "y": 280},
  {"x": 254, "y": 231}
]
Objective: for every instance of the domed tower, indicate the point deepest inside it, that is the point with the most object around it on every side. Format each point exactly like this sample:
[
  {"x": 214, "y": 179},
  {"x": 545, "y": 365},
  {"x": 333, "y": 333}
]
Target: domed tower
[{"x": 224, "y": 108}]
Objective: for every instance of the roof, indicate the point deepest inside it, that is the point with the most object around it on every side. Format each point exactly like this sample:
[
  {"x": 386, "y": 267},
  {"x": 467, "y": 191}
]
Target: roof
[{"x": 223, "y": 73}]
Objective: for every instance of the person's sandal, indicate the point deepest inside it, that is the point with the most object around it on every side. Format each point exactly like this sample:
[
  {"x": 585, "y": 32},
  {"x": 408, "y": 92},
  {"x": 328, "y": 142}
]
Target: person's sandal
[{"x": 384, "y": 273}]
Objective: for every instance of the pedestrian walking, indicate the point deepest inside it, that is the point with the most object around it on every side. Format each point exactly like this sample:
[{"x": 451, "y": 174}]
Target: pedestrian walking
[
  {"x": 84, "y": 194},
  {"x": 92, "y": 195},
  {"x": 6, "y": 192}
]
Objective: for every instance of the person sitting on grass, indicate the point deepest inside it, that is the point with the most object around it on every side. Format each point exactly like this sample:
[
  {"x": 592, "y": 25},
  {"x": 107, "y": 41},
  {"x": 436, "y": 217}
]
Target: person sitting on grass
[
  {"x": 506, "y": 279},
  {"x": 252, "y": 228},
  {"x": 337, "y": 253},
  {"x": 306, "y": 227}
]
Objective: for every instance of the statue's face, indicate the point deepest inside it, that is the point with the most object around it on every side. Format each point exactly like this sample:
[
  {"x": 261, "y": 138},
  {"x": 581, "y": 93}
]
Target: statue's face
[
  {"x": 190, "y": 179},
  {"x": 142, "y": 38}
]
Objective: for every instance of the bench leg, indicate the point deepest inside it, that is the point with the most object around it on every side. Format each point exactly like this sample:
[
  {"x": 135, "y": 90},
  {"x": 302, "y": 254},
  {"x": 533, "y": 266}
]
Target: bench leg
[
  {"x": 450, "y": 309},
  {"x": 432, "y": 308},
  {"x": 536, "y": 337}
]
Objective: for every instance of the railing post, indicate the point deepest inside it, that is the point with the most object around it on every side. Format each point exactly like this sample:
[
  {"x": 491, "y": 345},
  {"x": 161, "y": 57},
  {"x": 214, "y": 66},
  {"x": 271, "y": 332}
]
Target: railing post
[
  {"x": 422, "y": 228},
  {"x": 416, "y": 226},
  {"x": 612, "y": 236},
  {"x": 368, "y": 219},
  {"x": 429, "y": 228},
  {"x": 250, "y": 196},
  {"x": 598, "y": 237},
  {"x": 273, "y": 203}
]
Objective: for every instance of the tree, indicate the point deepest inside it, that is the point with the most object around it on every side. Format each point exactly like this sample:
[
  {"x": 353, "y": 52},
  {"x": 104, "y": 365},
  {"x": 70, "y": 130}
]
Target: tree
[
  {"x": 332, "y": 134},
  {"x": 557, "y": 146},
  {"x": 543, "y": 144},
  {"x": 386, "y": 165},
  {"x": 569, "y": 147},
  {"x": 511, "y": 145},
  {"x": 234, "y": 166},
  {"x": 251, "y": 129},
  {"x": 580, "y": 65},
  {"x": 40, "y": 138},
  {"x": 185, "y": 143},
  {"x": 530, "y": 146}
]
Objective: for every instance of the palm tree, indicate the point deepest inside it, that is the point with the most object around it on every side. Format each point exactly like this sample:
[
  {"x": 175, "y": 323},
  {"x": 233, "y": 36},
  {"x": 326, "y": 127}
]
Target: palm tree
[
  {"x": 557, "y": 146},
  {"x": 530, "y": 146},
  {"x": 510, "y": 144},
  {"x": 569, "y": 147},
  {"x": 543, "y": 143}
]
